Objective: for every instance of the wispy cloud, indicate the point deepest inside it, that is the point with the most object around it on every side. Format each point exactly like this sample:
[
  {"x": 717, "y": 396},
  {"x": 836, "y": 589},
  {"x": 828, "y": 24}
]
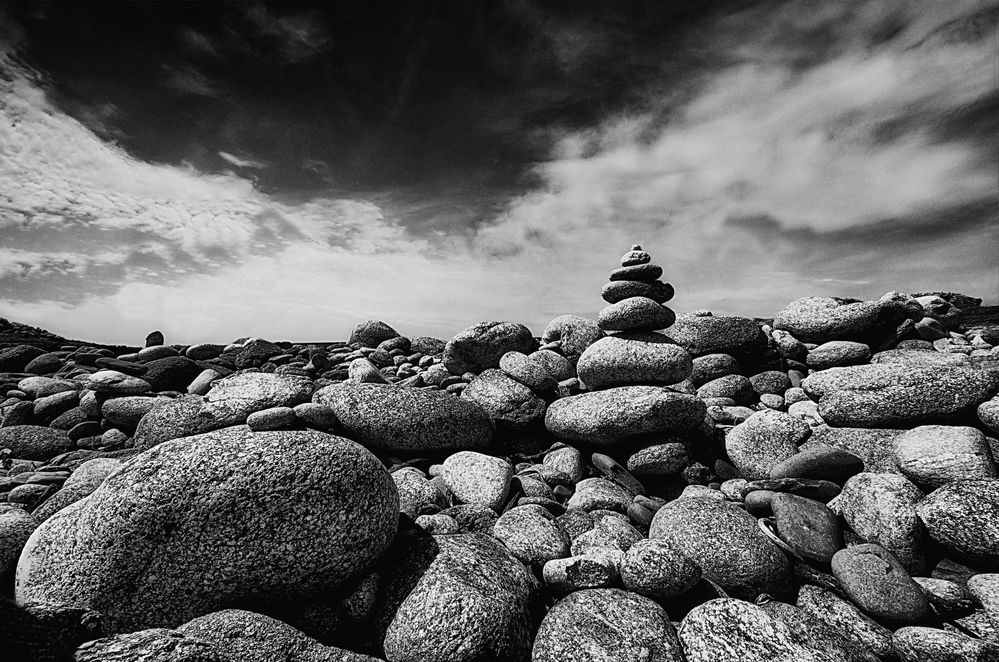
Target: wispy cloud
[{"x": 241, "y": 163}]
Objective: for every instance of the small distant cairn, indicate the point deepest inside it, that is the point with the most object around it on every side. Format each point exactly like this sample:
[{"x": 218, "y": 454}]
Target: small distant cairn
[{"x": 636, "y": 295}]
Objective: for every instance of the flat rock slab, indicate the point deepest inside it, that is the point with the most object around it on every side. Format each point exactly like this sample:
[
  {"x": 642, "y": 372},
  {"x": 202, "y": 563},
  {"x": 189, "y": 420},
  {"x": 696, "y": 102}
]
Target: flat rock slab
[
  {"x": 613, "y": 415},
  {"x": 406, "y": 420},
  {"x": 821, "y": 319},
  {"x": 893, "y": 395}
]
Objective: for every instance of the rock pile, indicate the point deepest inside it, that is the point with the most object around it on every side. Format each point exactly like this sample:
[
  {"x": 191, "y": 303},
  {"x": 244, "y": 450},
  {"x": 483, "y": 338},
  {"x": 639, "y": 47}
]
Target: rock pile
[{"x": 645, "y": 485}]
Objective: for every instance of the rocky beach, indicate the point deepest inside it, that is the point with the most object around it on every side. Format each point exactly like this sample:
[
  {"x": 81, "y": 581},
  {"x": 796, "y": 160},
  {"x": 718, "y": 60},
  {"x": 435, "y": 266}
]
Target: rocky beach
[{"x": 646, "y": 486}]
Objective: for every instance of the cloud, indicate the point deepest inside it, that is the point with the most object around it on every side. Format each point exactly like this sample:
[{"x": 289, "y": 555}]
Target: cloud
[
  {"x": 241, "y": 163},
  {"x": 295, "y": 37}
]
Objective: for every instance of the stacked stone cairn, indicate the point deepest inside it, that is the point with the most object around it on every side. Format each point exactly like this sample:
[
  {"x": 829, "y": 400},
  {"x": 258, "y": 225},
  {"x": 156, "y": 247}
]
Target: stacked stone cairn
[{"x": 821, "y": 487}]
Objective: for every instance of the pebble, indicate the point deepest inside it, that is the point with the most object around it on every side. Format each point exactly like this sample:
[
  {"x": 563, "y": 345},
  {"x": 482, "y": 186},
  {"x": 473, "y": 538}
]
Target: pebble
[
  {"x": 532, "y": 534},
  {"x": 573, "y": 334},
  {"x": 659, "y": 460},
  {"x": 599, "y": 493},
  {"x": 739, "y": 337},
  {"x": 736, "y": 388},
  {"x": 837, "y": 353},
  {"x": 619, "y": 290},
  {"x": 645, "y": 273},
  {"x": 878, "y": 584},
  {"x": 508, "y": 402},
  {"x": 615, "y": 472},
  {"x": 821, "y": 462},
  {"x": 272, "y": 418},
  {"x": 807, "y": 526},
  {"x": 529, "y": 371},
  {"x": 35, "y": 442},
  {"x": 365, "y": 372},
  {"x": 611, "y": 531}
]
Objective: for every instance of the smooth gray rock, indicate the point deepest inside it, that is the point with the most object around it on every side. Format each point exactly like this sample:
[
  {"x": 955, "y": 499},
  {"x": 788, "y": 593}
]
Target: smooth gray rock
[
  {"x": 712, "y": 366},
  {"x": 236, "y": 509},
  {"x": 612, "y": 415},
  {"x": 734, "y": 387},
  {"x": 457, "y": 598},
  {"x": 988, "y": 414},
  {"x": 821, "y": 319},
  {"x": 820, "y": 462},
  {"x": 807, "y": 526},
  {"x": 416, "y": 493},
  {"x": 893, "y": 395},
  {"x": 531, "y": 371},
  {"x": 509, "y": 402},
  {"x": 666, "y": 459},
  {"x": 933, "y": 455},
  {"x": 726, "y": 543},
  {"x": 364, "y": 371},
  {"x": 35, "y": 442},
  {"x": 739, "y": 337},
  {"x": 272, "y": 418},
  {"x": 371, "y": 334},
  {"x": 232, "y": 399},
  {"x": 181, "y": 417},
  {"x": 838, "y": 353},
  {"x": 606, "y": 625},
  {"x": 635, "y": 314},
  {"x": 126, "y": 412},
  {"x": 554, "y": 363},
  {"x": 619, "y": 290},
  {"x": 610, "y": 532},
  {"x": 406, "y": 420},
  {"x": 599, "y": 494},
  {"x": 881, "y": 508},
  {"x": 764, "y": 440},
  {"x": 963, "y": 517},
  {"x": 633, "y": 358},
  {"x": 878, "y": 584},
  {"x": 816, "y": 634},
  {"x": 482, "y": 345},
  {"x": 112, "y": 382}
]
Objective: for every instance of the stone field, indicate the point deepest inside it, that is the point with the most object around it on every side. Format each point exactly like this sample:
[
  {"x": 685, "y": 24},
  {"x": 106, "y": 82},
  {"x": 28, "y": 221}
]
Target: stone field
[{"x": 819, "y": 486}]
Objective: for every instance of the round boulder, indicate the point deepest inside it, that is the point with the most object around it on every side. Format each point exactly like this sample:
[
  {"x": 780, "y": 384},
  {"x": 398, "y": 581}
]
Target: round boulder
[
  {"x": 963, "y": 518},
  {"x": 573, "y": 334},
  {"x": 241, "y": 512},
  {"x": 933, "y": 455},
  {"x": 740, "y": 337},
  {"x": 633, "y": 358},
  {"x": 764, "y": 440},
  {"x": 483, "y": 345}
]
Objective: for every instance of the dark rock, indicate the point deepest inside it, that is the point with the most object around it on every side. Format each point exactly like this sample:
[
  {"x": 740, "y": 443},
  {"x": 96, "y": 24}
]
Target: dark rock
[
  {"x": 821, "y": 319},
  {"x": 659, "y": 460},
  {"x": 738, "y": 336},
  {"x": 154, "y": 338},
  {"x": 875, "y": 447},
  {"x": 807, "y": 526},
  {"x": 619, "y": 290},
  {"x": 821, "y": 462},
  {"x": 35, "y": 442},
  {"x": 878, "y": 584},
  {"x": 774, "y": 382},
  {"x": 15, "y": 359},
  {"x": 371, "y": 334}
]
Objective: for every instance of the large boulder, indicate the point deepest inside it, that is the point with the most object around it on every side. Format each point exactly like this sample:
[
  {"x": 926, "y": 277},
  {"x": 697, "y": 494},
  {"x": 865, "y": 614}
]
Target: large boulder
[
  {"x": 963, "y": 518},
  {"x": 740, "y": 337},
  {"x": 633, "y": 358},
  {"x": 82, "y": 482},
  {"x": 606, "y": 624},
  {"x": 764, "y": 440},
  {"x": 457, "y": 598},
  {"x": 371, "y": 334},
  {"x": 508, "y": 402},
  {"x": 15, "y": 359},
  {"x": 821, "y": 319},
  {"x": 232, "y": 399},
  {"x": 182, "y": 417},
  {"x": 483, "y": 345},
  {"x": 933, "y": 455},
  {"x": 881, "y": 508},
  {"x": 613, "y": 415},
  {"x": 725, "y": 541},
  {"x": 35, "y": 442},
  {"x": 272, "y": 516},
  {"x": 893, "y": 395},
  {"x": 407, "y": 420}
]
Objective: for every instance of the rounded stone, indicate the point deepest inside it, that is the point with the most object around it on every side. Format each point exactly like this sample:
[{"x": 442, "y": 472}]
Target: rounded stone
[
  {"x": 364, "y": 371},
  {"x": 641, "y": 272},
  {"x": 611, "y": 531},
  {"x": 712, "y": 366},
  {"x": 573, "y": 334},
  {"x": 614, "y": 414},
  {"x": 821, "y": 319},
  {"x": 963, "y": 518},
  {"x": 273, "y": 418},
  {"x": 822, "y": 638},
  {"x": 659, "y": 460},
  {"x": 81, "y": 483},
  {"x": 507, "y": 401},
  {"x": 126, "y": 412},
  {"x": 479, "y": 479},
  {"x": 598, "y": 568},
  {"x": 807, "y": 526},
  {"x": 740, "y": 337},
  {"x": 985, "y": 588},
  {"x": 371, "y": 334},
  {"x": 635, "y": 314},
  {"x": 933, "y": 455},
  {"x": 238, "y": 510},
  {"x": 416, "y": 493},
  {"x": 528, "y": 371},
  {"x": 734, "y": 387},
  {"x": 988, "y": 414},
  {"x": 821, "y": 462},
  {"x": 633, "y": 358},
  {"x": 764, "y": 440},
  {"x": 232, "y": 399},
  {"x": 878, "y": 584},
  {"x": 406, "y": 420},
  {"x": 16, "y": 526},
  {"x": 532, "y": 534},
  {"x": 726, "y": 543},
  {"x": 554, "y": 363},
  {"x": 457, "y": 598},
  {"x": 654, "y": 568},
  {"x": 599, "y": 493},
  {"x": 881, "y": 508},
  {"x": 827, "y": 607},
  {"x": 35, "y": 442},
  {"x": 770, "y": 382},
  {"x": 619, "y": 290},
  {"x": 481, "y": 346},
  {"x": 606, "y": 624},
  {"x": 173, "y": 373},
  {"x": 838, "y": 353},
  {"x": 924, "y": 644}
]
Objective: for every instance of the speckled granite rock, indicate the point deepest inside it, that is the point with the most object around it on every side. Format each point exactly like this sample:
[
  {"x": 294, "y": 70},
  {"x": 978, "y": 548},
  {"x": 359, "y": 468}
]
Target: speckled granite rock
[
  {"x": 656, "y": 569},
  {"x": 874, "y": 446},
  {"x": 599, "y": 493},
  {"x": 881, "y": 508},
  {"x": 606, "y": 625},
  {"x": 457, "y": 598},
  {"x": 177, "y": 418},
  {"x": 821, "y": 319},
  {"x": 240, "y": 636},
  {"x": 838, "y": 353},
  {"x": 726, "y": 543},
  {"x": 816, "y": 634},
  {"x": 633, "y": 358},
  {"x": 152, "y": 645},
  {"x": 371, "y": 333},
  {"x": 482, "y": 345},
  {"x": 826, "y": 607},
  {"x": 476, "y": 478},
  {"x": 406, "y": 420},
  {"x": 16, "y": 525},
  {"x": 933, "y": 455},
  {"x": 730, "y": 630},
  {"x": 988, "y": 414},
  {"x": 923, "y": 644},
  {"x": 573, "y": 333},
  {"x": 737, "y": 336},
  {"x": 239, "y": 510},
  {"x": 892, "y": 395},
  {"x": 532, "y": 534},
  {"x": 985, "y": 587},
  {"x": 963, "y": 517},
  {"x": 35, "y": 442},
  {"x": 532, "y": 370},
  {"x": 610, "y": 416},
  {"x": 764, "y": 440},
  {"x": 635, "y": 314},
  {"x": 597, "y": 568},
  {"x": 232, "y": 399},
  {"x": 416, "y": 493},
  {"x": 509, "y": 402},
  {"x": 82, "y": 482},
  {"x": 877, "y": 583}
]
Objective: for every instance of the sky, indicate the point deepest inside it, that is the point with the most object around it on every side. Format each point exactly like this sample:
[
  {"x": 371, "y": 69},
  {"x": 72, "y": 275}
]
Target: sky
[{"x": 288, "y": 170}]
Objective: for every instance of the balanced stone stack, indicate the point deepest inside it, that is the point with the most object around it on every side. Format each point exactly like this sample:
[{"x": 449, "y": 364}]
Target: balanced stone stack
[{"x": 627, "y": 371}]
